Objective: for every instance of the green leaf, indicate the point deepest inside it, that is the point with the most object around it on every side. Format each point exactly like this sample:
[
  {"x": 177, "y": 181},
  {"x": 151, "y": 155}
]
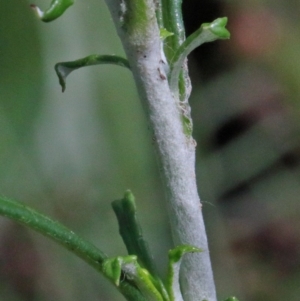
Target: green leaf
[
  {"x": 175, "y": 258},
  {"x": 218, "y": 28},
  {"x": 163, "y": 33},
  {"x": 63, "y": 69},
  {"x": 56, "y": 9},
  {"x": 208, "y": 32},
  {"x": 131, "y": 231},
  {"x": 54, "y": 230},
  {"x": 132, "y": 235},
  {"x": 71, "y": 241},
  {"x": 112, "y": 267},
  {"x": 128, "y": 265},
  {"x": 231, "y": 299},
  {"x": 142, "y": 278}
]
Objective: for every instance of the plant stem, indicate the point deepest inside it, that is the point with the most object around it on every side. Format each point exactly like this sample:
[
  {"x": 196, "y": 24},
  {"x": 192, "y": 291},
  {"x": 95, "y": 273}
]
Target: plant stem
[{"x": 176, "y": 151}]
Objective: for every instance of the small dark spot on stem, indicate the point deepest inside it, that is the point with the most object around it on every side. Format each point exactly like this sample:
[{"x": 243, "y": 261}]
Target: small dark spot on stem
[{"x": 162, "y": 76}]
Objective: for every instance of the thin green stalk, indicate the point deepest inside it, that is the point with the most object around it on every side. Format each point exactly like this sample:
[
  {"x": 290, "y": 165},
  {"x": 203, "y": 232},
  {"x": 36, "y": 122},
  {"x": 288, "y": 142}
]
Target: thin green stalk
[
  {"x": 172, "y": 15},
  {"x": 173, "y": 22},
  {"x": 159, "y": 14}
]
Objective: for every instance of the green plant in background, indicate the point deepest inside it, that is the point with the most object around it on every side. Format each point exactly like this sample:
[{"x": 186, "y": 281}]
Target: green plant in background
[{"x": 153, "y": 37}]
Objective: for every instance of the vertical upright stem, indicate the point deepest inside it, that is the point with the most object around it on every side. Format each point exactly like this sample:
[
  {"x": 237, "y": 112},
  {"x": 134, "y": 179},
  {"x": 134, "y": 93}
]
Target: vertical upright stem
[{"x": 137, "y": 27}]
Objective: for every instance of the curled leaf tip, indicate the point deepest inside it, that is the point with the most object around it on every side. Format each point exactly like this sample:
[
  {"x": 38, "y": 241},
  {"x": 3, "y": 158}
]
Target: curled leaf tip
[
  {"x": 65, "y": 68},
  {"x": 56, "y": 9},
  {"x": 62, "y": 73}
]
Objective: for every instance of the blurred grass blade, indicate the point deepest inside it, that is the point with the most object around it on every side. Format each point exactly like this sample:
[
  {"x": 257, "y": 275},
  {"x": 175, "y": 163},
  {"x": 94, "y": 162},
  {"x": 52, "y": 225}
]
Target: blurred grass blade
[
  {"x": 56, "y": 9},
  {"x": 63, "y": 69}
]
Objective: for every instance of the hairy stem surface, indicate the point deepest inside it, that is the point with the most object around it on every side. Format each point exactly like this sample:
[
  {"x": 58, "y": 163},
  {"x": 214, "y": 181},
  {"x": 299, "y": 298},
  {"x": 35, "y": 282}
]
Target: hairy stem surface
[{"x": 137, "y": 27}]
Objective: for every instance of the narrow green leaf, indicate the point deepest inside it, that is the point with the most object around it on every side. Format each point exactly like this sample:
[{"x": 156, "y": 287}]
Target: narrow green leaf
[
  {"x": 208, "y": 32},
  {"x": 54, "y": 230},
  {"x": 231, "y": 299},
  {"x": 132, "y": 235},
  {"x": 119, "y": 268},
  {"x": 131, "y": 231},
  {"x": 69, "y": 240},
  {"x": 56, "y": 9},
  {"x": 63, "y": 69},
  {"x": 175, "y": 258}
]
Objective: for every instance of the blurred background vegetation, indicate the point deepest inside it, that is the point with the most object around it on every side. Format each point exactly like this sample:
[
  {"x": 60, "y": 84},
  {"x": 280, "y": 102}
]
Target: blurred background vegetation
[{"x": 69, "y": 155}]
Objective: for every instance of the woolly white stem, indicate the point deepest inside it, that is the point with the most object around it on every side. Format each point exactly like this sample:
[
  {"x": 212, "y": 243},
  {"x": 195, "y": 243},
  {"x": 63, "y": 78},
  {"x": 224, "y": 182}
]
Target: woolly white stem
[{"x": 176, "y": 152}]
